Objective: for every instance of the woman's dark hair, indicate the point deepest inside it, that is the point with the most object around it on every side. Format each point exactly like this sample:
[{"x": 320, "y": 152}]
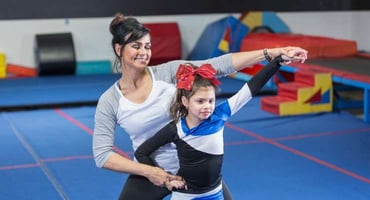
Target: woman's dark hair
[
  {"x": 177, "y": 109},
  {"x": 125, "y": 30}
]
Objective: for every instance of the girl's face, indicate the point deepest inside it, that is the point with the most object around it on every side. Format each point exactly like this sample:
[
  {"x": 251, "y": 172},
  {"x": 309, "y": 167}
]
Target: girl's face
[
  {"x": 137, "y": 54},
  {"x": 201, "y": 105}
]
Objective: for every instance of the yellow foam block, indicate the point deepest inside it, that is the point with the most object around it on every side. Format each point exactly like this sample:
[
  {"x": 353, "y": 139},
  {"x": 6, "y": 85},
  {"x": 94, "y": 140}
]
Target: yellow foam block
[
  {"x": 303, "y": 103},
  {"x": 328, "y": 107},
  {"x": 323, "y": 79},
  {"x": 2, "y": 65},
  {"x": 2, "y": 60},
  {"x": 224, "y": 46},
  {"x": 305, "y": 93},
  {"x": 252, "y": 19},
  {"x": 293, "y": 108},
  {"x": 323, "y": 82},
  {"x": 2, "y": 74}
]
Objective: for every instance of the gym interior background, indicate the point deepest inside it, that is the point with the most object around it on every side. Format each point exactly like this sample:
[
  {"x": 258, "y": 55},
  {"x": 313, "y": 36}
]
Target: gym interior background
[
  {"x": 46, "y": 153},
  {"x": 20, "y": 20}
]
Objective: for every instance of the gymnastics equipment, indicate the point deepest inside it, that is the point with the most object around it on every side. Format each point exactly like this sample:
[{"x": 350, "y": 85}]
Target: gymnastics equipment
[
  {"x": 317, "y": 46},
  {"x": 310, "y": 92},
  {"x": 220, "y": 37},
  {"x": 166, "y": 42},
  {"x": 15, "y": 70},
  {"x": 55, "y": 54},
  {"x": 268, "y": 20},
  {"x": 2, "y": 65},
  {"x": 94, "y": 67},
  {"x": 347, "y": 72}
]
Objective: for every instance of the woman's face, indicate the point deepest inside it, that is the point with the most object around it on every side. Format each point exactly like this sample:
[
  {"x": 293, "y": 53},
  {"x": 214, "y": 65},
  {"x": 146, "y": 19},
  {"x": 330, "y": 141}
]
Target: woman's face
[{"x": 137, "y": 54}]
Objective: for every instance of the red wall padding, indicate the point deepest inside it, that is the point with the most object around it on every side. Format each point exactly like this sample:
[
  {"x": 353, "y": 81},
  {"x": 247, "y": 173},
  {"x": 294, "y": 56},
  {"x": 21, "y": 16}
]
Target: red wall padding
[{"x": 166, "y": 42}]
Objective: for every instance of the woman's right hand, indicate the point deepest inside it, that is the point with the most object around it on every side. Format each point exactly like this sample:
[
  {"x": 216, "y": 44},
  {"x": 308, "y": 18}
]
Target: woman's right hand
[
  {"x": 159, "y": 177},
  {"x": 289, "y": 54},
  {"x": 178, "y": 184}
]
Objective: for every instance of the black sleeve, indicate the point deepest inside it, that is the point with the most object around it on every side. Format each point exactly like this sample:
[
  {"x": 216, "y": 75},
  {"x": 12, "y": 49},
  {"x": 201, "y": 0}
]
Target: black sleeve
[
  {"x": 164, "y": 136},
  {"x": 261, "y": 78}
]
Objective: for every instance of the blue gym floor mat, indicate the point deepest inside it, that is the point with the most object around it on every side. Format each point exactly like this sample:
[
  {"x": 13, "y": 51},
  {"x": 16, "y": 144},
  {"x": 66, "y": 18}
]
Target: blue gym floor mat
[
  {"x": 47, "y": 154},
  {"x": 53, "y": 90}
]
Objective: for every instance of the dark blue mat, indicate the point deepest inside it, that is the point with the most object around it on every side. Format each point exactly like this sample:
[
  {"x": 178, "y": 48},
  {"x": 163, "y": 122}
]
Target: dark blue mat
[
  {"x": 53, "y": 90},
  {"x": 57, "y": 91}
]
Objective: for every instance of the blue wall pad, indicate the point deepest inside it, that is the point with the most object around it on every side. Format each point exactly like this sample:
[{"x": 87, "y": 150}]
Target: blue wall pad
[
  {"x": 274, "y": 22},
  {"x": 94, "y": 67},
  {"x": 220, "y": 37}
]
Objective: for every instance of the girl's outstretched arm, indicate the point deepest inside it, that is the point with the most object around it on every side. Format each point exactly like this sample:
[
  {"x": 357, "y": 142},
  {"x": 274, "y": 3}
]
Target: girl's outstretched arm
[{"x": 261, "y": 78}]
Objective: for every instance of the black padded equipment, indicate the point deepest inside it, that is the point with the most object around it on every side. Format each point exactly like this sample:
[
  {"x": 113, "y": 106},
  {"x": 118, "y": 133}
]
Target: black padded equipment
[{"x": 55, "y": 54}]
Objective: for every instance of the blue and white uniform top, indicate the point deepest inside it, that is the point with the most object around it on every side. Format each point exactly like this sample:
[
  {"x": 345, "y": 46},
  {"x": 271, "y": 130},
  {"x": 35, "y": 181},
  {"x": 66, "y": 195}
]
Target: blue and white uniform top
[{"x": 200, "y": 149}]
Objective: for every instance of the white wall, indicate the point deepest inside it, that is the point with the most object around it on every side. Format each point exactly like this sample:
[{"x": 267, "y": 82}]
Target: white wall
[
  {"x": 361, "y": 29},
  {"x": 331, "y": 24},
  {"x": 92, "y": 38}
]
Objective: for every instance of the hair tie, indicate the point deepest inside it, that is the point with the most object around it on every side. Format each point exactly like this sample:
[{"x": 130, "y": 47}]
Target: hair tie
[{"x": 186, "y": 74}]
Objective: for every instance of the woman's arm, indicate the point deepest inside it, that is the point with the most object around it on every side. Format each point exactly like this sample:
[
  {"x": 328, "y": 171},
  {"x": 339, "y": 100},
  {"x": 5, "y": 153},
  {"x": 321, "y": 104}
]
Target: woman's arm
[
  {"x": 231, "y": 62},
  {"x": 241, "y": 60},
  {"x": 121, "y": 164},
  {"x": 103, "y": 141}
]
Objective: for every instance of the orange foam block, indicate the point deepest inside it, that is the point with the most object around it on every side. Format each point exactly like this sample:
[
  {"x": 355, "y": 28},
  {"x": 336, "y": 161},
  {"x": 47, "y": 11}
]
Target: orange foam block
[{"x": 21, "y": 71}]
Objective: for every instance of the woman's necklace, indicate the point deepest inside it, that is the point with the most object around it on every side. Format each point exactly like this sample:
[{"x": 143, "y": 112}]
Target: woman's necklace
[{"x": 124, "y": 87}]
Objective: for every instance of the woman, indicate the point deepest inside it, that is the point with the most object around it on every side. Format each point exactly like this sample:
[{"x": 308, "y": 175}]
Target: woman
[{"x": 139, "y": 102}]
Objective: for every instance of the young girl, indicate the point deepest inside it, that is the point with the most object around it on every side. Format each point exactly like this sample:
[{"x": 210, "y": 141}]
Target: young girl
[{"x": 197, "y": 129}]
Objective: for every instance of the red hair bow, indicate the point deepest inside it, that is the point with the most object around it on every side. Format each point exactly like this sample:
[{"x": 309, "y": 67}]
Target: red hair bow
[{"x": 186, "y": 74}]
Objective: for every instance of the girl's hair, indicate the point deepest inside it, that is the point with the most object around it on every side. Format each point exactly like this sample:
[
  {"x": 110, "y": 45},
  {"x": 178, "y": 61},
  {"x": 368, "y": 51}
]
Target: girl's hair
[
  {"x": 177, "y": 109},
  {"x": 125, "y": 30}
]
